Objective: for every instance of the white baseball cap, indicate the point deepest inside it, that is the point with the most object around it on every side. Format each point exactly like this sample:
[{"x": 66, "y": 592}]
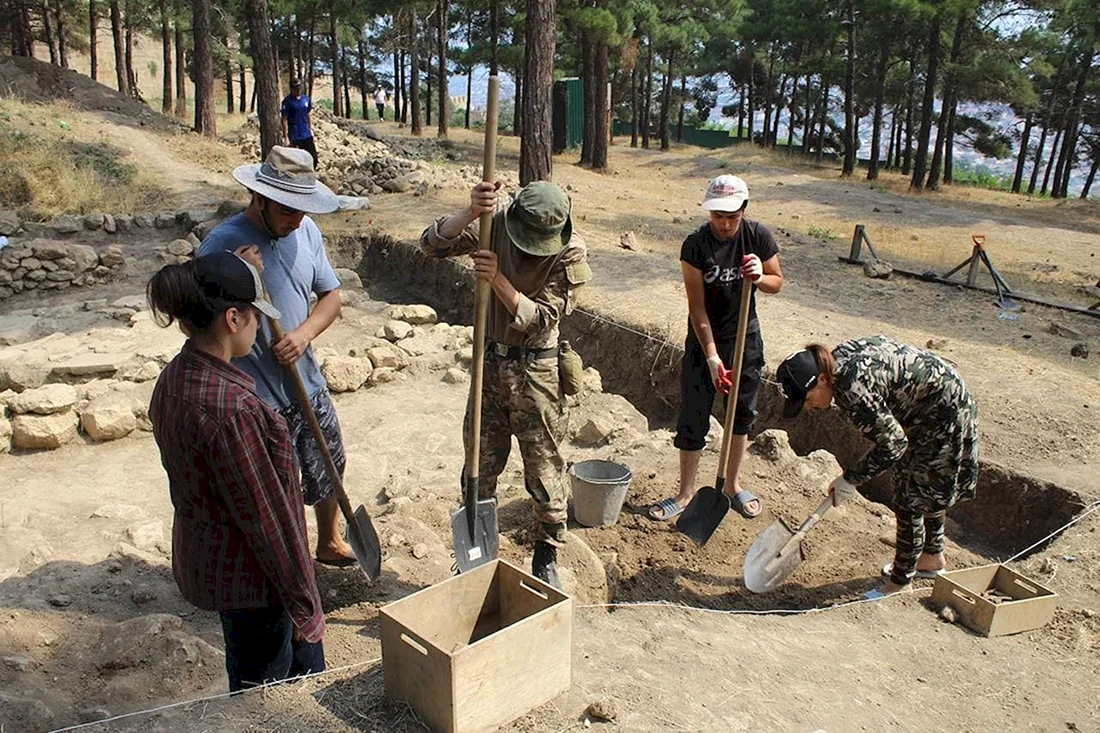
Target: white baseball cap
[{"x": 725, "y": 193}]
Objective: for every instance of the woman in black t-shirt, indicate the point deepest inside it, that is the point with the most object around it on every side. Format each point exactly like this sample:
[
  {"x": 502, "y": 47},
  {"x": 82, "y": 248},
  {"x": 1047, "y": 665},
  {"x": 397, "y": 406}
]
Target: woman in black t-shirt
[{"x": 716, "y": 260}]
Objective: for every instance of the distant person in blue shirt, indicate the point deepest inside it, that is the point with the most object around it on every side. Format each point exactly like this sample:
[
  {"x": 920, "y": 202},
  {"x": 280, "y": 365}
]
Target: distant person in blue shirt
[
  {"x": 274, "y": 231},
  {"x": 296, "y": 109}
]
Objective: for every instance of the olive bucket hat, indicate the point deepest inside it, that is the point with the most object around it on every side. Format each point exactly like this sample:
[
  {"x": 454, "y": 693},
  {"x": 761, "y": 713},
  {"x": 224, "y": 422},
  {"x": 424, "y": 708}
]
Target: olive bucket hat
[{"x": 538, "y": 221}]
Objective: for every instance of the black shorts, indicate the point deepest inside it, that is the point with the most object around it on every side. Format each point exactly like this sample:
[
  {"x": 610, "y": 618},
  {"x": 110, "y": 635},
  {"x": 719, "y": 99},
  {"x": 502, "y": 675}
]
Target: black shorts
[
  {"x": 316, "y": 485},
  {"x": 697, "y": 390},
  {"x": 309, "y": 147}
]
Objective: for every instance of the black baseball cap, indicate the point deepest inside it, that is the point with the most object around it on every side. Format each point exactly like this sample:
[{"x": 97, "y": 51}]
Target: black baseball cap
[
  {"x": 228, "y": 279},
  {"x": 797, "y": 375}
]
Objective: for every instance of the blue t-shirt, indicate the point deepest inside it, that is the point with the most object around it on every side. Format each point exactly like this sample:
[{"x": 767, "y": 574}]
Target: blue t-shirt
[
  {"x": 294, "y": 267},
  {"x": 296, "y": 110}
]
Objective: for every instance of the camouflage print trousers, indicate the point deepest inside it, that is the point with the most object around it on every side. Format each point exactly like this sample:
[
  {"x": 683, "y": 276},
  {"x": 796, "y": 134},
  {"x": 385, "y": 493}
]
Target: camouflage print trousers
[{"x": 522, "y": 397}]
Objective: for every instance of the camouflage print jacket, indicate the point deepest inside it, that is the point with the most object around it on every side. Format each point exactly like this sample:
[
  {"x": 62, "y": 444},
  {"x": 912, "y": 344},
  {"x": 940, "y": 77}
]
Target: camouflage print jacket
[
  {"x": 903, "y": 399},
  {"x": 547, "y": 285}
]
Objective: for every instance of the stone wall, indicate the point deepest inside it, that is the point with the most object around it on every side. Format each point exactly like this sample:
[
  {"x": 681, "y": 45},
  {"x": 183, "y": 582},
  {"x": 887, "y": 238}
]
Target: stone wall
[{"x": 46, "y": 264}]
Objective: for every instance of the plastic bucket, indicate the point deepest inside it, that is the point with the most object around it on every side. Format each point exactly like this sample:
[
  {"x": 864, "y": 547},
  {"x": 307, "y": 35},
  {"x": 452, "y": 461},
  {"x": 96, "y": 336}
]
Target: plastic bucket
[{"x": 599, "y": 488}]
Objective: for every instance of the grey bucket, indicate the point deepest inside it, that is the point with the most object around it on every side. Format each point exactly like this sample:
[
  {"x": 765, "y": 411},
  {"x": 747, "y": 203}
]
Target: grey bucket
[{"x": 599, "y": 488}]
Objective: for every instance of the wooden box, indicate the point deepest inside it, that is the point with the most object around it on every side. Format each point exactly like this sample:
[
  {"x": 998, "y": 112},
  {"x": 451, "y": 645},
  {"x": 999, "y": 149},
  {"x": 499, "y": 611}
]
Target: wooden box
[
  {"x": 994, "y": 601},
  {"x": 478, "y": 650}
]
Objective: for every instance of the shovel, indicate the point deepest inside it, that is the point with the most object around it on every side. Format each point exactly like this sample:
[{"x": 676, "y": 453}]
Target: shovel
[
  {"x": 361, "y": 534},
  {"x": 778, "y": 551},
  {"x": 709, "y": 506},
  {"x": 474, "y": 524}
]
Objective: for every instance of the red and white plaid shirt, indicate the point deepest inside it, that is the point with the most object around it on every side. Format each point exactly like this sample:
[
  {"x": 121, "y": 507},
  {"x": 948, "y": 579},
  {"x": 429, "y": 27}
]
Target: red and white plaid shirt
[{"x": 239, "y": 532}]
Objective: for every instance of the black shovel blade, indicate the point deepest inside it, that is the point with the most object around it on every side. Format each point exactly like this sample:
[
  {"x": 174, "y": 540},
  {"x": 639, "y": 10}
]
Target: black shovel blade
[
  {"x": 363, "y": 539},
  {"x": 703, "y": 515},
  {"x": 472, "y": 550}
]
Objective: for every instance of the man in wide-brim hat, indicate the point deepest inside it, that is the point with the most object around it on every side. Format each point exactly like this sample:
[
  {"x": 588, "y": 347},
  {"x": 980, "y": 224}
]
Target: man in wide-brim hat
[
  {"x": 275, "y": 231},
  {"x": 534, "y": 264}
]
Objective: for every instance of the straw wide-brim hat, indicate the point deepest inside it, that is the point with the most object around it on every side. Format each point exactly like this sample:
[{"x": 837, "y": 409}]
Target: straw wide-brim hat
[{"x": 287, "y": 177}]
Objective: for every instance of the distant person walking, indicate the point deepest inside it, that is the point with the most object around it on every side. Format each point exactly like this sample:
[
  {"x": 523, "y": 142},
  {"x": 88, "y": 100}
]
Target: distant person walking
[
  {"x": 296, "y": 124},
  {"x": 380, "y": 102}
]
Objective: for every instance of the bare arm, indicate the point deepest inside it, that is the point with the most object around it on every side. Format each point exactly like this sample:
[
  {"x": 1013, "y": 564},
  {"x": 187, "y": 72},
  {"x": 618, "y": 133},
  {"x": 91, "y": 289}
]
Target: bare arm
[
  {"x": 697, "y": 310},
  {"x": 294, "y": 343},
  {"x": 771, "y": 282}
]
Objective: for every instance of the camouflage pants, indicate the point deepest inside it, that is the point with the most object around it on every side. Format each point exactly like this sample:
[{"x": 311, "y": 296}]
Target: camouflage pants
[
  {"x": 522, "y": 397},
  {"x": 940, "y": 466}
]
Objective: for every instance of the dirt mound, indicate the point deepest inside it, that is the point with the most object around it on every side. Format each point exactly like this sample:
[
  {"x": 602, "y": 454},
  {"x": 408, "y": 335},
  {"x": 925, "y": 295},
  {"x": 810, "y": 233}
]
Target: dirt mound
[{"x": 37, "y": 81}]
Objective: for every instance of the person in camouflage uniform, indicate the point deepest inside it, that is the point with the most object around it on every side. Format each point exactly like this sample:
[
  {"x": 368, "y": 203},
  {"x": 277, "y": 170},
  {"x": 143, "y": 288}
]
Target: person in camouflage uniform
[
  {"x": 917, "y": 411},
  {"x": 534, "y": 264}
]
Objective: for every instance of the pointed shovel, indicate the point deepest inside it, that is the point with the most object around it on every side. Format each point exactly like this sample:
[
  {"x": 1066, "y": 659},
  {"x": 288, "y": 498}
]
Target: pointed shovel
[
  {"x": 474, "y": 524},
  {"x": 778, "y": 551},
  {"x": 361, "y": 534},
  {"x": 708, "y": 507}
]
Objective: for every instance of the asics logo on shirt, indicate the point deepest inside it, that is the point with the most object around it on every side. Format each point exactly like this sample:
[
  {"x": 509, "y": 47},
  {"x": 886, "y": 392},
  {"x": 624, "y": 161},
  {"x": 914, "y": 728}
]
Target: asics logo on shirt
[{"x": 722, "y": 275}]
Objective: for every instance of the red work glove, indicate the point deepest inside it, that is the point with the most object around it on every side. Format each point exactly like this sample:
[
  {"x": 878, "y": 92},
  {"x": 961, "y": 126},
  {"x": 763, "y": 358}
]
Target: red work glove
[
  {"x": 725, "y": 380},
  {"x": 751, "y": 267}
]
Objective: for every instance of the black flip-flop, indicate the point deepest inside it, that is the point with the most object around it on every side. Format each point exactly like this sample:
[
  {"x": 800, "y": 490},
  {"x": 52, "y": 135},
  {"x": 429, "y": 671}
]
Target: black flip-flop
[{"x": 343, "y": 562}]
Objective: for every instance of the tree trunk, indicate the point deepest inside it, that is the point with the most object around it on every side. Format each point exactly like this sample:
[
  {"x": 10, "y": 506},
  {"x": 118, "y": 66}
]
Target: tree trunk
[
  {"x": 588, "y": 83},
  {"x": 181, "y": 70},
  {"x": 807, "y": 119},
  {"x": 880, "y": 102},
  {"x": 791, "y": 109},
  {"x": 120, "y": 46},
  {"x": 949, "y": 146},
  {"x": 265, "y": 75},
  {"x": 768, "y": 96},
  {"x": 311, "y": 58},
  {"x": 536, "y": 145},
  {"x": 683, "y": 104},
  {"x": 648, "y": 93},
  {"x": 47, "y": 29},
  {"x": 920, "y": 165},
  {"x": 406, "y": 64},
  {"x": 494, "y": 37},
  {"x": 890, "y": 147},
  {"x": 414, "y": 78},
  {"x": 603, "y": 117},
  {"x": 444, "y": 14},
  {"x": 752, "y": 102},
  {"x": 1050, "y": 161},
  {"x": 634, "y": 105},
  {"x": 363, "y": 77},
  {"x": 740, "y": 109},
  {"x": 943, "y": 131},
  {"x": 666, "y": 100},
  {"x": 62, "y": 41},
  {"x": 396, "y": 85},
  {"x": 242, "y": 107},
  {"x": 205, "y": 119},
  {"x": 334, "y": 39},
  {"x": 93, "y": 25},
  {"x": 907, "y": 160},
  {"x": 428, "y": 81},
  {"x": 823, "y": 120},
  {"x": 345, "y": 80},
  {"x": 1067, "y": 158},
  {"x": 778, "y": 109},
  {"x": 131, "y": 72},
  {"x": 849, "y": 165},
  {"x": 166, "y": 60},
  {"x": 1021, "y": 159},
  {"x": 517, "y": 106},
  {"x": 1092, "y": 175},
  {"x": 229, "y": 99}
]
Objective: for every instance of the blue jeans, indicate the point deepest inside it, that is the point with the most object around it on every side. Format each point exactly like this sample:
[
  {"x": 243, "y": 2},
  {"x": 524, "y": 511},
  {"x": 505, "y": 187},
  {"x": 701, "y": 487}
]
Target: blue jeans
[{"x": 260, "y": 648}]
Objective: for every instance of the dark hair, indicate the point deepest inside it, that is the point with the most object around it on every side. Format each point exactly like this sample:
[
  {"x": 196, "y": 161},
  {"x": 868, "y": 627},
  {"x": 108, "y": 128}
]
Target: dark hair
[
  {"x": 826, "y": 365},
  {"x": 174, "y": 294}
]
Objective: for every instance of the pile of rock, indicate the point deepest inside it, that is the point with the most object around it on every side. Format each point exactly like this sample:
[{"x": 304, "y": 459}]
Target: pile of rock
[
  {"x": 373, "y": 175},
  {"x": 45, "y": 264},
  {"x": 67, "y": 225}
]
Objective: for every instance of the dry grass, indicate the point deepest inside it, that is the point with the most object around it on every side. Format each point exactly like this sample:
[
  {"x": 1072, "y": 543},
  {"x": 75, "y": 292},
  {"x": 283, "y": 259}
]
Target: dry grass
[
  {"x": 55, "y": 162},
  {"x": 210, "y": 153}
]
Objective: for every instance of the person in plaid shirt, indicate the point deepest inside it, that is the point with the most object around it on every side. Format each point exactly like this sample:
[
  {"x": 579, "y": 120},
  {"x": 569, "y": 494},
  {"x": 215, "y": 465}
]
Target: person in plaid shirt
[{"x": 239, "y": 543}]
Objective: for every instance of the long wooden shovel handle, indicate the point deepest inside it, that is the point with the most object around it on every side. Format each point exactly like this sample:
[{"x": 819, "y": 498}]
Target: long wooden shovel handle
[
  {"x": 806, "y": 526},
  {"x": 302, "y": 397},
  {"x": 482, "y": 292},
  {"x": 735, "y": 388}
]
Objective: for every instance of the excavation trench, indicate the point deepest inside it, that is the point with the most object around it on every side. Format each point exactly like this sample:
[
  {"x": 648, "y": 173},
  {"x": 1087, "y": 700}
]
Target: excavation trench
[{"x": 1011, "y": 511}]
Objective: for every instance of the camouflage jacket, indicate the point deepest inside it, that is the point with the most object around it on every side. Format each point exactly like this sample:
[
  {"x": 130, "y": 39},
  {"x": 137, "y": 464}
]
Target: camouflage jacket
[
  {"x": 545, "y": 296},
  {"x": 900, "y": 397}
]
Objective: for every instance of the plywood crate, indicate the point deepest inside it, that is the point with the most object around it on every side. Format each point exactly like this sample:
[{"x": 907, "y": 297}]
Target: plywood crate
[
  {"x": 971, "y": 593},
  {"x": 478, "y": 650}
]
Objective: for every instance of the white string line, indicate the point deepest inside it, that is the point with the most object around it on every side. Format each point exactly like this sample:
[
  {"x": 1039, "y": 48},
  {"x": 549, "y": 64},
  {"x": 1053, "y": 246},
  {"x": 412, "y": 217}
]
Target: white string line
[
  {"x": 221, "y": 695},
  {"x": 638, "y": 604}
]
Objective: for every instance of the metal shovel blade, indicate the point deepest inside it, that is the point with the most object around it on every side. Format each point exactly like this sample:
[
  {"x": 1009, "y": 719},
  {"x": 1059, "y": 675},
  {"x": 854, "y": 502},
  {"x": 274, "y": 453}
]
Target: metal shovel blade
[
  {"x": 772, "y": 558},
  {"x": 483, "y": 545},
  {"x": 363, "y": 539},
  {"x": 703, "y": 515}
]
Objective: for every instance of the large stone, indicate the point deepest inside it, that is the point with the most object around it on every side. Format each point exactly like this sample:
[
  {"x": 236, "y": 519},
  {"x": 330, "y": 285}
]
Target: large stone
[
  {"x": 48, "y": 249},
  {"x": 594, "y": 432},
  {"x": 878, "y": 269},
  {"x": 349, "y": 278},
  {"x": 417, "y": 315},
  {"x": 109, "y": 417},
  {"x": 67, "y": 224},
  {"x": 109, "y": 224},
  {"x": 385, "y": 356},
  {"x": 383, "y": 375},
  {"x": 5, "y": 434},
  {"x": 454, "y": 375},
  {"x": 147, "y": 534},
  {"x": 21, "y": 372},
  {"x": 180, "y": 248},
  {"x": 112, "y": 256},
  {"x": 84, "y": 257},
  {"x": 43, "y": 432},
  {"x": 93, "y": 222},
  {"x": 154, "y": 641},
  {"x": 773, "y": 445},
  {"x": 124, "y": 223},
  {"x": 165, "y": 220},
  {"x": 89, "y": 364},
  {"x": 593, "y": 382},
  {"x": 45, "y": 400},
  {"x": 346, "y": 373},
  {"x": 145, "y": 221},
  {"x": 401, "y": 184},
  {"x": 396, "y": 330},
  {"x": 9, "y": 223}
]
